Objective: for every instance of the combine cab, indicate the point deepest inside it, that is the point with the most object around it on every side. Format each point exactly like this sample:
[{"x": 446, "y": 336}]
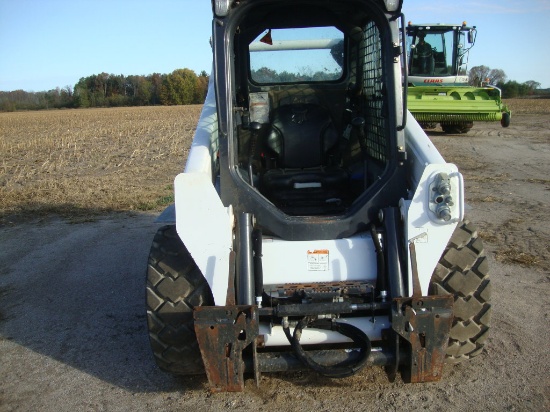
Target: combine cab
[{"x": 438, "y": 90}]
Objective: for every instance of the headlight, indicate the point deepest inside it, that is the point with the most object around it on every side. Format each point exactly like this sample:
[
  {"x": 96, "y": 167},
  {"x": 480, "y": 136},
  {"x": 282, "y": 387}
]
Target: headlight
[
  {"x": 221, "y": 7},
  {"x": 392, "y": 5}
]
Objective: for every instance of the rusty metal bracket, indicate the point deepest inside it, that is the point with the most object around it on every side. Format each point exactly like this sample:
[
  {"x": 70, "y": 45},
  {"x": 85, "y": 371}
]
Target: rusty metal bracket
[
  {"x": 425, "y": 322},
  {"x": 223, "y": 332}
]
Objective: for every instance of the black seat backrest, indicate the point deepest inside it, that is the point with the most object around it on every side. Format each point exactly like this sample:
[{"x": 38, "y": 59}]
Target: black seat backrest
[{"x": 302, "y": 136}]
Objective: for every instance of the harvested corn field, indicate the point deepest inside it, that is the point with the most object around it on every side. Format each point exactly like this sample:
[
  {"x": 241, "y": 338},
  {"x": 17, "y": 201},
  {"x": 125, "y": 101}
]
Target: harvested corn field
[{"x": 92, "y": 161}]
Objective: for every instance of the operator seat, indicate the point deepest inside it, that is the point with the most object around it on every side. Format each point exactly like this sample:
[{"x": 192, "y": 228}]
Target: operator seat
[{"x": 302, "y": 150}]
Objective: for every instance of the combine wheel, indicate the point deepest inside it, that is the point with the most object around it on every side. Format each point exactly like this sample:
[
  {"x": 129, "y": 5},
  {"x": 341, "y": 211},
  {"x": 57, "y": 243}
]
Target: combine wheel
[
  {"x": 175, "y": 285},
  {"x": 505, "y": 121},
  {"x": 458, "y": 128},
  {"x": 427, "y": 126},
  {"x": 463, "y": 272}
]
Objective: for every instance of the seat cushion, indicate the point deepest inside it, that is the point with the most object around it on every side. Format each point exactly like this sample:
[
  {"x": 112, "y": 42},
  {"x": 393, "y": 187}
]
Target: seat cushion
[
  {"x": 301, "y": 141},
  {"x": 290, "y": 179},
  {"x": 301, "y": 136},
  {"x": 318, "y": 189}
]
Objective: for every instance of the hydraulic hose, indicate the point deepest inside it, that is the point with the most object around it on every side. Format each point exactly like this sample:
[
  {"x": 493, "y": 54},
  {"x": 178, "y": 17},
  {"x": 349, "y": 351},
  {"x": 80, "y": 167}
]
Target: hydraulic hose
[{"x": 332, "y": 371}]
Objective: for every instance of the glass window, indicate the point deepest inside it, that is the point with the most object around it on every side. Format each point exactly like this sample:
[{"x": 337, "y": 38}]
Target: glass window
[
  {"x": 311, "y": 54},
  {"x": 432, "y": 53}
]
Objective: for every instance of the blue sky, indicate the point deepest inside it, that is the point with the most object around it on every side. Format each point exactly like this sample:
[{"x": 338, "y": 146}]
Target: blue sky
[{"x": 49, "y": 43}]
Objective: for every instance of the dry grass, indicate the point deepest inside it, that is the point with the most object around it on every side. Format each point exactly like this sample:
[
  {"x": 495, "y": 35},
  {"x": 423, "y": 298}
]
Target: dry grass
[
  {"x": 93, "y": 161},
  {"x": 515, "y": 242},
  {"x": 517, "y": 257},
  {"x": 528, "y": 106}
]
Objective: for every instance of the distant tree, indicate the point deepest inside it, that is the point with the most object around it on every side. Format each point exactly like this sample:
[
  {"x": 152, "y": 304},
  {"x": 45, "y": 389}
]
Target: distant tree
[
  {"x": 6, "y": 106},
  {"x": 510, "y": 89},
  {"x": 81, "y": 93},
  {"x": 182, "y": 86},
  {"x": 496, "y": 76},
  {"x": 478, "y": 74},
  {"x": 103, "y": 81},
  {"x": 52, "y": 98},
  {"x": 265, "y": 75},
  {"x": 532, "y": 86},
  {"x": 66, "y": 97},
  {"x": 156, "y": 80},
  {"x": 139, "y": 89},
  {"x": 201, "y": 87},
  {"x": 115, "y": 85},
  {"x": 287, "y": 77},
  {"x": 179, "y": 87}
]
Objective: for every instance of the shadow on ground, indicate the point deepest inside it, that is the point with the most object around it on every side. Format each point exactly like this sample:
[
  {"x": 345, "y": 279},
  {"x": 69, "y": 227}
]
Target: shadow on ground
[{"x": 75, "y": 292}]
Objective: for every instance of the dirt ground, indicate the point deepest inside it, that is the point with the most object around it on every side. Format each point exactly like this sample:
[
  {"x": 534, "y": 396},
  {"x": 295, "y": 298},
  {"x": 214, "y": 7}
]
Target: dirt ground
[{"x": 72, "y": 313}]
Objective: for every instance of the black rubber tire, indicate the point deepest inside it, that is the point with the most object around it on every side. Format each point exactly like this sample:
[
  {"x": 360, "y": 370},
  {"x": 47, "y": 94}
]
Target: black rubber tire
[
  {"x": 463, "y": 272},
  {"x": 175, "y": 285},
  {"x": 428, "y": 125},
  {"x": 458, "y": 128},
  {"x": 505, "y": 121}
]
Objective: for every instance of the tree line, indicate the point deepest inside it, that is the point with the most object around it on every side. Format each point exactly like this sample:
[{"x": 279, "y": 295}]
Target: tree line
[
  {"x": 182, "y": 86},
  {"x": 267, "y": 75},
  {"x": 483, "y": 75}
]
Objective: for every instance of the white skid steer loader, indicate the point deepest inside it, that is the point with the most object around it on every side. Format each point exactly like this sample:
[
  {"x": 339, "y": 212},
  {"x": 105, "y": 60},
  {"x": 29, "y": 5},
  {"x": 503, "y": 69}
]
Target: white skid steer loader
[{"x": 315, "y": 225}]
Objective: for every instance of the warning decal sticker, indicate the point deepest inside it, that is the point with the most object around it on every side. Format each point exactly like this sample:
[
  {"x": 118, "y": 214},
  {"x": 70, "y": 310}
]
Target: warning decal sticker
[{"x": 317, "y": 260}]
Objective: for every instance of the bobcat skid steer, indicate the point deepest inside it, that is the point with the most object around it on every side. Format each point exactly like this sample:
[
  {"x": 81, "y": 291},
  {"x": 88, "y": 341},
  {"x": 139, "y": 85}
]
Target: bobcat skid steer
[{"x": 315, "y": 225}]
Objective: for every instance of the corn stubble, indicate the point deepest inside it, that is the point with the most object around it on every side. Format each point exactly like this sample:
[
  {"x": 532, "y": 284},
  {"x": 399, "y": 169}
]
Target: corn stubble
[
  {"x": 94, "y": 161},
  {"x": 85, "y": 162}
]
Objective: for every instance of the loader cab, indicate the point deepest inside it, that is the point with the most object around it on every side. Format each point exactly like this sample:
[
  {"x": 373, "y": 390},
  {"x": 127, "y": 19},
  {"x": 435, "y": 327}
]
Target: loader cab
[
  {"x": 310, "y": 107},
  {"x": 439, "y": 50},
  {"x": 296, "y": 89}
]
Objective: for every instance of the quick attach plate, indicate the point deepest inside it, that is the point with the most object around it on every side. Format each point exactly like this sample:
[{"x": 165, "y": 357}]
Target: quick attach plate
[
  {"x": 425, "y": 322},
  {"x": 223, "y": 332}
]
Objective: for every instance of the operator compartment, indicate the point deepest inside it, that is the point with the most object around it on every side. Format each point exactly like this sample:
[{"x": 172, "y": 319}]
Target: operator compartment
[{"x": 310, "y": 129}]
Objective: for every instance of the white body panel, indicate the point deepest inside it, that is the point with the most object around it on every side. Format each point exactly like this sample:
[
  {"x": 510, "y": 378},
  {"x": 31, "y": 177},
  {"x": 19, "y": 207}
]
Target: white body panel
[
  {"x": 420, "y": 149},
  {"x": 429, "y": 233},
  {"x": 205, "y": 142},
  {"x": 204, "y": 225},
  {"x": 306, "y": 261}
]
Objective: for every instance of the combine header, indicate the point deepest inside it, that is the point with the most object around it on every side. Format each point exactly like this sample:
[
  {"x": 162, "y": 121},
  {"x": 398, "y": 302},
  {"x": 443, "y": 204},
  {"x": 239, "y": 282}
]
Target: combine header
[{"x": 438, "y": 90}]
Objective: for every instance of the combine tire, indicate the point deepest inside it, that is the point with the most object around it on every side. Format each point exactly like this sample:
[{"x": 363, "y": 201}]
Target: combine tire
[
  {"x": 458, "y": 128},
  {"x": 463, "y": 272},
  {"x": 175, "y": 285},
  {"x": 427, "y": 126},
  {"x": 505, "y": 121}
]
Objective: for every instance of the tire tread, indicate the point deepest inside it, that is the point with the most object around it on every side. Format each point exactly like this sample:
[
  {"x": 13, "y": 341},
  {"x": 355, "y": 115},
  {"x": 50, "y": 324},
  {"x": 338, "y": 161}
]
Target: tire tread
[
  {"x": 463, "y": 271},
  {"x": 175, "y": 285}
]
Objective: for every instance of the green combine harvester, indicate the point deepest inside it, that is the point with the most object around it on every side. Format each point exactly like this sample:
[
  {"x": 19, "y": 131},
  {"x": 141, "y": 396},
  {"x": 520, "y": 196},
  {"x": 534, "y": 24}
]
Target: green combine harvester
[{"x": 438, "y": 89}]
